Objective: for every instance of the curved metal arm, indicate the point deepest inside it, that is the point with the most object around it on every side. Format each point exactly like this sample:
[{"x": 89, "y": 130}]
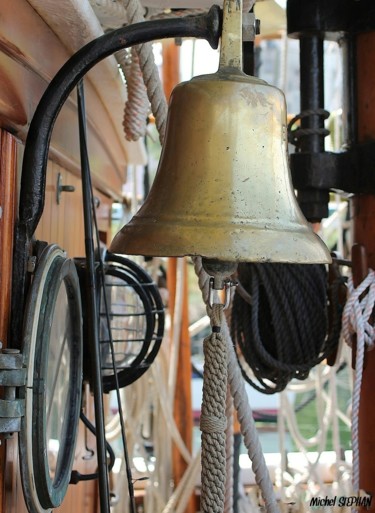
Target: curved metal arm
[
  {"x": 205, "y": 26},
  {"x": 33, "y": 180}
]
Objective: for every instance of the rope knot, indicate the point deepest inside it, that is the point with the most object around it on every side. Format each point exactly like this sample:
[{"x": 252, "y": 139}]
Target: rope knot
[{"x": 212, "y": 424}]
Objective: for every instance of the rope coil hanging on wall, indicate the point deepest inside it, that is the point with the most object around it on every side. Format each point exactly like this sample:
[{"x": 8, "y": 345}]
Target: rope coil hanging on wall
[{"x": 279, "y": 323}]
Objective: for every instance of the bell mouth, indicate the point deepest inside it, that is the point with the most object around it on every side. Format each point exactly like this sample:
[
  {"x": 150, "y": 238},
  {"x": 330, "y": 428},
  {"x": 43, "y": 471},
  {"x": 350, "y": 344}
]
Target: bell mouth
[{"x": 237, "y": 243}]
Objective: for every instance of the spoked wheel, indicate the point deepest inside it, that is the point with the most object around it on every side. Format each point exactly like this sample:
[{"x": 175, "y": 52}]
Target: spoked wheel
[{"x": 52, "y": 349}]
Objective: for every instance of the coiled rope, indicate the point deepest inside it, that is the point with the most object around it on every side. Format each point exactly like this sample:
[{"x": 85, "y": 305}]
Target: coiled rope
[
  {"x": 357, "y": 312},
  {"x": 279, "y": 323}
]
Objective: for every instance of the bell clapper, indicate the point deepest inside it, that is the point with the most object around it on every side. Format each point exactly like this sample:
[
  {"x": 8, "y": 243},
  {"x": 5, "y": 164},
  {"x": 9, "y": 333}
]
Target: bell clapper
[{"x": 220, "y": 273}]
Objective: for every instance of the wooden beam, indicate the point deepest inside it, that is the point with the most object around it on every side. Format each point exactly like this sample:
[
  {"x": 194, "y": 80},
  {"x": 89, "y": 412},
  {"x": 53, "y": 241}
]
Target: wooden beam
[
  {"x": 183, "y": 412},
  {"x": 364, "y": 233},
  {"x": 8, "y": 195}
]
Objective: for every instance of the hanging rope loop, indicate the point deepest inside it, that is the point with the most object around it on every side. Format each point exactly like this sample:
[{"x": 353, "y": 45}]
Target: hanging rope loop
[
  {"x": 241, "y": 403},
  {"x": 357, "y": 320}
]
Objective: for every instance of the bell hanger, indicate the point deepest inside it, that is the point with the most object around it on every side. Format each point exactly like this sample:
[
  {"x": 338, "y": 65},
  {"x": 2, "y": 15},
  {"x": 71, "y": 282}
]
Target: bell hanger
[{"x": 223, "y": 187}]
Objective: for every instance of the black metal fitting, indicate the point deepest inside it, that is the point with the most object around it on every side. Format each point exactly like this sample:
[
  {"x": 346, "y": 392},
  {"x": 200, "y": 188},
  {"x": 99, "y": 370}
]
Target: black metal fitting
[
  {"x": 12, "y": 376},
  {"x": 314, "y": 171},
  {"x": 327, "y": 19},
  {"x": 330, "y": 19},
  {"x": 350, "y": 171},
  {"x": 33, "y": 179}
]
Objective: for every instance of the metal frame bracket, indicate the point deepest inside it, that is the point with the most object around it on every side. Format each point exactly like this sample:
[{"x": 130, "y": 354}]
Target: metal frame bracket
[{"x": 12, "y": 375}]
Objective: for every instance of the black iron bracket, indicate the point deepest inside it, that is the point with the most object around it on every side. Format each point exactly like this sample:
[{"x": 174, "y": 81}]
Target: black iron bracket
[
  {"x": 329, "y": 19},
  {"x": 351, "y": 171},
  {"x": 33, "y": 179},
  {"x": 314, "y": 171}
]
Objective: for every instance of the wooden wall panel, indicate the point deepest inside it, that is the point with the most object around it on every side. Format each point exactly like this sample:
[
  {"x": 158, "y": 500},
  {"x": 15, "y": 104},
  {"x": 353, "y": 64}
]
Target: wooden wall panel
[
  {"x": 25, "y": 71},
  {"x": 8, "y": 197},
  {"x": 63, "y": 223}
]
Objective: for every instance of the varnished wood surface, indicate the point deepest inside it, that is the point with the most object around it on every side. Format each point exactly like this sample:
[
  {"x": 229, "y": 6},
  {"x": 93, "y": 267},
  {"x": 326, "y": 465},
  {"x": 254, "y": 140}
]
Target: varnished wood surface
[
  {"x": 182, "y": 406},
  {"x": 30, "y": 56},
  {"x": 8, "y": 197},
  {"x": 364, "y": 233}
]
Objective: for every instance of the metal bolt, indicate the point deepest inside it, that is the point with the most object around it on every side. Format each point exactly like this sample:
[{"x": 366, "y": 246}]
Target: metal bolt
[{"x": 250, "y": 26}]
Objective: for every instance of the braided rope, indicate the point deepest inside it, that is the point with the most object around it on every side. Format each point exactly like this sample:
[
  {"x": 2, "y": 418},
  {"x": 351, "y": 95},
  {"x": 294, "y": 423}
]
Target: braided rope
[
  {"x": 137, "y": 105},
  {"x": 213, "y": 421},
  {"x": 229, "y": 450},
  {"x": 355, "y": 319},
  {"x": 241, "y": 404},
  {"x": 149, "y": 70}
]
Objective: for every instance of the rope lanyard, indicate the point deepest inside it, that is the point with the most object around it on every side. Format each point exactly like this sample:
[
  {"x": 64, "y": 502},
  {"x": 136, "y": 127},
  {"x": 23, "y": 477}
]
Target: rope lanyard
[
  {"x": 241, "y": 405},
  {"x": 213, "y": 421}
]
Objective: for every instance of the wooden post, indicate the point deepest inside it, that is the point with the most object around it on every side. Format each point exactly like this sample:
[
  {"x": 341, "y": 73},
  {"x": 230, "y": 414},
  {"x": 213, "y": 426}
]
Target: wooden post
[
  {"x": 8, "y": 195},
  {"x": 364, "y": 233},
  {"x": 183, "y": 413}
]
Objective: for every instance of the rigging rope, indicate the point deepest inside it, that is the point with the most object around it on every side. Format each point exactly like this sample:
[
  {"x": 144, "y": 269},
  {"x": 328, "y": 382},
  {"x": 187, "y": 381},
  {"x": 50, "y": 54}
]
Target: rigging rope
[
  {"x": 149, "y": 70},
  {"x": 241, "y": 403},
  {"x": 357, "y": 312},
  {"x": 279, "y": 323},
  {"x": 137, "y": 105}
]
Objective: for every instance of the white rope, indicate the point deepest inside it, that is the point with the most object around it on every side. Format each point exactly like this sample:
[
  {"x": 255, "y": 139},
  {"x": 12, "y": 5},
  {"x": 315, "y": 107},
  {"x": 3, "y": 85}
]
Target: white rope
[
  {"x": 149, "y": 70},
  {"x": 137, "y": 105},
  {"x": 181, "y": 495},
  {"x": 355, "y": 319},
  {"x": 110, "y": 13},
  {"x": 141, "y": 73},
  {"x": 241, "y": 404},
  {"x": 229, "y": 449}
]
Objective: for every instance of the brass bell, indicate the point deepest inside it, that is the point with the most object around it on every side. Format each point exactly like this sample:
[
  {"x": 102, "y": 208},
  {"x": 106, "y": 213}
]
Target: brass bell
[{"x": 223, "y": 187}]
